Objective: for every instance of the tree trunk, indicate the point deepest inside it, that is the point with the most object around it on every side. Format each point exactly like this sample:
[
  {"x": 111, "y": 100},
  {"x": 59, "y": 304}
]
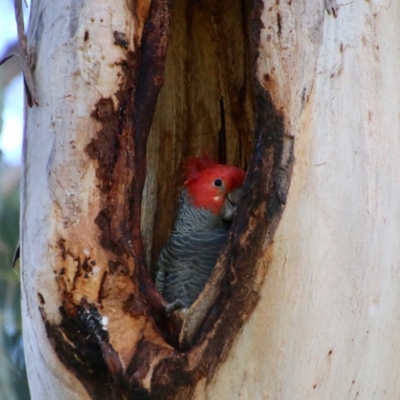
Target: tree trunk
[
  {"x": 324, "y": 321},
  {"x": 327, "y": 323}
]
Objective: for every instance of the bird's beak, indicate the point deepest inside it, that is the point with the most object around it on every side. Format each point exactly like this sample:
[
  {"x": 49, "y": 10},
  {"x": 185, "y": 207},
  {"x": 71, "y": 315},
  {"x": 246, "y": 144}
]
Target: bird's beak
[
  {"x": 230, "y": 203},
  {"x": 234, "y": 197}
]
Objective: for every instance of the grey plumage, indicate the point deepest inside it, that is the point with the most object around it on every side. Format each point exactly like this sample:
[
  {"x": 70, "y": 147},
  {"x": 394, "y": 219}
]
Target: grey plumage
[{"x": 188, "y": 258}]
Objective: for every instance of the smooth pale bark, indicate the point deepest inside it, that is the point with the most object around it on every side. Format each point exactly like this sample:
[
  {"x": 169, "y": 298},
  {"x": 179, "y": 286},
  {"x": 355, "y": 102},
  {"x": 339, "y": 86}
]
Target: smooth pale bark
[{"x": 328, "y": 322}]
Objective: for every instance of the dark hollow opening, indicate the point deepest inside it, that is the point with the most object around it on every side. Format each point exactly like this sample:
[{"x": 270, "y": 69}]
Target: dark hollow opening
[{"x": 206, "y": 104}]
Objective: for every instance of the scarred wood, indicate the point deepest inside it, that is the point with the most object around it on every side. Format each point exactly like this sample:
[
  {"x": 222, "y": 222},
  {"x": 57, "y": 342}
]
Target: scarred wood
[{"x": 83, "y": 260}]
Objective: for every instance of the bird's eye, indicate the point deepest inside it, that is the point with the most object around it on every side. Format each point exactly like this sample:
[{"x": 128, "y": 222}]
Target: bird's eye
[{"x": 218, "y": 182}]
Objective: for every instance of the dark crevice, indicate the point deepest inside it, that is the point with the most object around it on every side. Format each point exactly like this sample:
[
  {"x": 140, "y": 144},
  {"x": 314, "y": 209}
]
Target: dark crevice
[{"x": 222, "y": 135}]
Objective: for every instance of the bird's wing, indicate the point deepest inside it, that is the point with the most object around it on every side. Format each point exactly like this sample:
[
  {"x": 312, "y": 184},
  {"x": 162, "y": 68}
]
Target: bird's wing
[{"x": 186, "y": 263}]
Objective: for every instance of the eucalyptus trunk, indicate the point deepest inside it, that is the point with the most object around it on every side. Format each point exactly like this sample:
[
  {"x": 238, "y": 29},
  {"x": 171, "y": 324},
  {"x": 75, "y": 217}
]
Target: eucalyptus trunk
[{"x": 306, "y": 292}]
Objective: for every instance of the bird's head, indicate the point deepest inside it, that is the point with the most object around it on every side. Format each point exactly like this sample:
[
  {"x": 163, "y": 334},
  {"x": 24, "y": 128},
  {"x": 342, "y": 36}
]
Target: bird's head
[{"x": 213, "y": 186}]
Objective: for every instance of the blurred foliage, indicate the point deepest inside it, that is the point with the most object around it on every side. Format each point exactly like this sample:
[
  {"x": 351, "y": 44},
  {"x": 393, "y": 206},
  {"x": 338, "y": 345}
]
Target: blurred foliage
[{"x": 13, "y": 380}]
